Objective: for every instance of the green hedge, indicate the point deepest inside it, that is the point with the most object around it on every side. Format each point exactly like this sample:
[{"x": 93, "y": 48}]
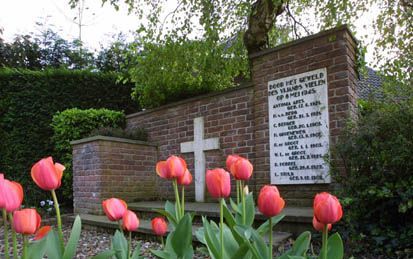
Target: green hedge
[
  {"x": 377, "y": 187},
  {"x": 75, "y": 124},
  {"x": 29, "y": 99}
]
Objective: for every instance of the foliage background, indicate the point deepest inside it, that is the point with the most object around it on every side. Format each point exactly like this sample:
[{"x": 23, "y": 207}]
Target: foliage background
[
  {"x": 73, "y": 124},
  {"x": 377, "y": 187},
  {"x": 29, "y": 99}
]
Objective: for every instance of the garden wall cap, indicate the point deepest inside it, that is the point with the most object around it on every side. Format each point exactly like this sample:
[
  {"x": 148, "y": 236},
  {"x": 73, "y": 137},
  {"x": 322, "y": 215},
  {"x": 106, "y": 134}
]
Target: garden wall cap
[{"x": 113, "y": 139}]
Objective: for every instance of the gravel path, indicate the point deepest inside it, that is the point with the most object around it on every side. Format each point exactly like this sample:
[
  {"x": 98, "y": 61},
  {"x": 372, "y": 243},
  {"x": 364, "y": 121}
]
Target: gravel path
[{"x": 93, "y": 242}]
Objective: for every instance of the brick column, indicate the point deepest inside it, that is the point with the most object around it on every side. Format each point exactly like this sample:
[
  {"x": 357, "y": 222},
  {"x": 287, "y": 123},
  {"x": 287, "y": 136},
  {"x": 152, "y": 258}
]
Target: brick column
[
  {"x": 333, "y": 49},
  {"x": 106, "y": 167}
]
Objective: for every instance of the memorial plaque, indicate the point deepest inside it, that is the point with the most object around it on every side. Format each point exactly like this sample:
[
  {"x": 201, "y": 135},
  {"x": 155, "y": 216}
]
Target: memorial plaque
[{"x": 299, "y": 128}]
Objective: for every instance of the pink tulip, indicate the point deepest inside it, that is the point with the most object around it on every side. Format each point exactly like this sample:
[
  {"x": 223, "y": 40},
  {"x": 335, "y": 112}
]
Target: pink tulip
[
  {"x": 230, "y": 160},
  {"x": 47, "y": 174},
  {"x": 186, "y": 179},
  {"x": 130, "y": 221},
  {"x": 320, "y": 226},
  {"x": 327, "y": 208},
  {"x": 114, "y": 208},
  {"x": 12, "y": 195},
  {"x": 177, "y": 166},
  {"x": 218, "y": 183},
  {"x": 270, "y": 202},
  {"x": 26, "y": 221},
  {"x": 159, "y": 226},
  {"x": 2, "y": 198},
  {"x": 242, "y": 169}
]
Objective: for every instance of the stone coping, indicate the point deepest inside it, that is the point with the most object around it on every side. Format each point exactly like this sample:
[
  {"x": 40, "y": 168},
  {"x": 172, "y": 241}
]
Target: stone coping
[
  {"x": 112, "y": 139},
  {"x": 304, "y": 39},
  {"x": 192, "y": 99}
]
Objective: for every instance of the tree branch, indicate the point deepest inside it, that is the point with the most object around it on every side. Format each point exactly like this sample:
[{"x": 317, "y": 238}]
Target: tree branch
[{"x": 289, "y": 13}]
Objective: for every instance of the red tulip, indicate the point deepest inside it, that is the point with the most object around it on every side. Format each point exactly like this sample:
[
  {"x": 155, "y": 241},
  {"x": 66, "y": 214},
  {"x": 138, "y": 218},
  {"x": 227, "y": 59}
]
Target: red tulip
[
  {"x": 242, "y": 169},
  {"x": 26, "y": 221},
  {"x": 130, "y": 221},
  {"x": 12, "y": 195},
  {"x": 114, "y": 208},
  {"x": 159, "y": 226},
  {"x": 218, "y": 183},
  {"x": 2, "y": 200},
  {"x": 327, "y": 208},
  {"x": 230, "y": 160},
  {"x": 42, "y": 232},
  {"x": 162, "y": 170},
  {"x": 186, "y": 179},
  {"x": 270, "y": 202},
  {"x": 47, "y": 175},
  {"x": 320, "y": 226},
  {"x": 176, "y": 165}
]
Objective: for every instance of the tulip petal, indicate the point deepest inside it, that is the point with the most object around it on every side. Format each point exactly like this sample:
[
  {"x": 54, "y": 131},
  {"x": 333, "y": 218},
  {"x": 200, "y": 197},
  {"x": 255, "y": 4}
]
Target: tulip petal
[
  {"x": 162, "y": 169},
  {"x": 13, "y": 195},
  {"x": 42, "y": 232},
  {"x": 45, "y": 175}
]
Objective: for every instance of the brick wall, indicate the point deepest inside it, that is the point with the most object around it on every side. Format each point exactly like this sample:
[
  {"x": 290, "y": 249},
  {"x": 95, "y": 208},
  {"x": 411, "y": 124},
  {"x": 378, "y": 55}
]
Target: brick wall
[
  {"x": 227, "y": 115},
  {"x": 238, "y": 117},
  {"x": 334, "y": 50},
  {"x": 105, "y": 167}
]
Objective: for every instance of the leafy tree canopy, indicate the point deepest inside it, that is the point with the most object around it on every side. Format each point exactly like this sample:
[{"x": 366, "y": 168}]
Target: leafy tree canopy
[{"x": 255, "y": 21}]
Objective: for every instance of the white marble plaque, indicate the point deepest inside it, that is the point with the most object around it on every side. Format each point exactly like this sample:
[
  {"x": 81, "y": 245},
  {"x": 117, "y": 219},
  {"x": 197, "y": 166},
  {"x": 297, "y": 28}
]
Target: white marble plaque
[{"x": 299, "y": 128}]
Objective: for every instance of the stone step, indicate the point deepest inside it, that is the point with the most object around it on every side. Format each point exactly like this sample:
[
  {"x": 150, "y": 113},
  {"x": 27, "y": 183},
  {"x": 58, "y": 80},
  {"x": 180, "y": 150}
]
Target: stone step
[
  {"x": 296, "y": 220},
  {"x": 101, "y": 222}
]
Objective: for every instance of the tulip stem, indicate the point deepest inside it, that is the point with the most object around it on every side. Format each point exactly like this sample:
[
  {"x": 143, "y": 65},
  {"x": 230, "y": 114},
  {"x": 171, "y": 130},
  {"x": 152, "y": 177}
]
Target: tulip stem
[
  {"x": 325, "y": 242},
  {"x": 270, "y": 237},
  {"x": 6, "y": 235},
  {"x": 120, "y": 226},
  {"x": 243, "y": 203},
  {"x": 178, "y": 203},
  {"x": 221, "y": 225},
  {"x": 237, "y": 181},
  {"x": 13, "y": 236},
  {"x": 183, "y": 200},
  {"x": 59, "y": 220},
  {"x": 163, "y": 245},
  {"x": 25, "y": 243}
]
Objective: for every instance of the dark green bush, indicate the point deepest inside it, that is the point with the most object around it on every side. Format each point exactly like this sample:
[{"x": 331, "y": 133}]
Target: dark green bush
[
  {"x": 73, "y": 124},
  {"x": 28, "y": 101},
  {"x": 137, "y": 134},
  {"x": 377, "y": 187}
]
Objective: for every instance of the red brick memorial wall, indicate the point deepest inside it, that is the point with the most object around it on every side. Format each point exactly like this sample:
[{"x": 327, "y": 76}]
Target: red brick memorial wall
[{"x": 236, "y": 121}]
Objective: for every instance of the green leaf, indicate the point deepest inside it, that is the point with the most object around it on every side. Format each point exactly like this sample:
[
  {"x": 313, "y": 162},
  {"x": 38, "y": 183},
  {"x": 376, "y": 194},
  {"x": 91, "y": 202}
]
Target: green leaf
[
  {"x": 71, "y": 246},
  {"x": 163, "y": 254},
  {"x": 300, "y": 246},
  {"x": 229, "y": 218},
  {"x": 200, "y": 235},
  {"x": 104, "y": 255},
  {"x": 136, "y": 253},
  {"x": 249, "y": 210},
  {"x": 120, "y": 245},
  {"x": 37, "y": 249},
  {"x": 335, "y": 249},
  {"x": 182, "y": 236},
  {"x": 234, "y": 206},
  {"x": 53, "y": 249},
  {"x": 211, "y": 240},
  {"x": 265, "y": 227}
]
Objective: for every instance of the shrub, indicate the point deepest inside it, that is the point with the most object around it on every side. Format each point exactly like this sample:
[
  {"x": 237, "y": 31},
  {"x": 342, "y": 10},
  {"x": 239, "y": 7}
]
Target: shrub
[
  {"x": 377, "y": 185},
  {"x": 28, "y": 101},
  {"x": 73, "y": 124}
]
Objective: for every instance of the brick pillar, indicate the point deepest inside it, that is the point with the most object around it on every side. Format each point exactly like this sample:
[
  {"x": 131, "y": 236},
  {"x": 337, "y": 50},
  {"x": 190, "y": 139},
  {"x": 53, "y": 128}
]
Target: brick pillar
[{"x": 334, "y": 50}]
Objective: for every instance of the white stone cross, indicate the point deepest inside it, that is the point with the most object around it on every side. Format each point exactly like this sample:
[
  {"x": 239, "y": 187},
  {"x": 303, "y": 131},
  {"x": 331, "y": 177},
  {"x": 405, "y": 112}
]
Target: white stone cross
[{"x": 198, "y": 146}]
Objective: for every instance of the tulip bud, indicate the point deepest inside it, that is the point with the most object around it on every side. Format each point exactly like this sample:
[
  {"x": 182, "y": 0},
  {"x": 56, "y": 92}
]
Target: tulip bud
[
  {"x": 26, "y": 221},
  {"x": 230, "y": 160},
  {"x": 159, "y": 226},
  {"x": 242, "y": 169},
  {"x": 177, "y": 166},
  {"x": 162, "y": 170},
  {"x": 114, "y": 208},
  {"x": 130, "y": 221},
  {"x": 218, "y": 183},
  {"x": 12, "y": 195},
  {"x": 47, "y": 175},
  {"x": 320, "y": 226},
  {"x": 186, "y": 179},
  {"x": 327, "y": 208},
  {"x": 42, "y": 232},
  {"x": 246, "y": 190},
  {"x": 270, "y": 202}
]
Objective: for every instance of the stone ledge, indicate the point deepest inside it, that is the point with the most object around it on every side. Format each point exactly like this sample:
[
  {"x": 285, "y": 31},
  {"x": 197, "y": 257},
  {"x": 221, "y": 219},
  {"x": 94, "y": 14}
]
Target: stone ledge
[{"x": 112, "y": 139}]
